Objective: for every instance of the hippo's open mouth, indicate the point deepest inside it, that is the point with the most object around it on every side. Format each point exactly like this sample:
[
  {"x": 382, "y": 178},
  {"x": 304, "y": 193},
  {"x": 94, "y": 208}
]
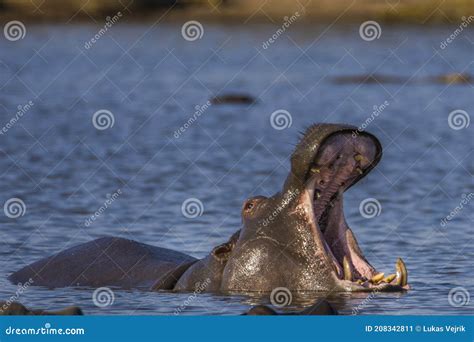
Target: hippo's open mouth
[{"x": 342, "y": 160}]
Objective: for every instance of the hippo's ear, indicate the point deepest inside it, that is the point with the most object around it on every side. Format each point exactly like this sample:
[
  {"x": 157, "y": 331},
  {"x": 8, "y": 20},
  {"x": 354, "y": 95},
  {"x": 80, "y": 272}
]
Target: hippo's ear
[{"x": 223, "y": 251}]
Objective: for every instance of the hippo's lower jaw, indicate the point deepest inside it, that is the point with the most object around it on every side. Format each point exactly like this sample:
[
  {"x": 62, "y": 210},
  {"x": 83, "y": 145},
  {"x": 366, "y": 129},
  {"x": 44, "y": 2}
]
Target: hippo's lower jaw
[{"x": 322, "y": 200}]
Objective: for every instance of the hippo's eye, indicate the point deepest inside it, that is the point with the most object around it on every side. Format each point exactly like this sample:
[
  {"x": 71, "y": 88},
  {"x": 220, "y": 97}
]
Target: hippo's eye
[
  {"x": 249, "y": 206},
  {"x": 252, "y": 204}
]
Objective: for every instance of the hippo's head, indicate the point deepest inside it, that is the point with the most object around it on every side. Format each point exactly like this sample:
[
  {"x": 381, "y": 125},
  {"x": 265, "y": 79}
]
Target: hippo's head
[{"x": 298, "y": 238}]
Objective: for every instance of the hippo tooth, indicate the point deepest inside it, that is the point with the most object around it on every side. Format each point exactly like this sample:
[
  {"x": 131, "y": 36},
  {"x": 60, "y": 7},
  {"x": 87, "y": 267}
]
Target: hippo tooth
[
  {"x": 359, "y": 170},
  {"x": 388, "y": 279},
  {"x": 347, "y": 269},
  {"x": 402, "y": 274},
  {"x": 315, "y": 169},
  {"x": 359, "y": 157},
  {"x": 377, "y": 278}
]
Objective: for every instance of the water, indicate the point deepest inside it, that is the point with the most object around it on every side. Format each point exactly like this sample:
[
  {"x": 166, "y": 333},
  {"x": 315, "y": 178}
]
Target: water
[{"x": 151, "y": 79}]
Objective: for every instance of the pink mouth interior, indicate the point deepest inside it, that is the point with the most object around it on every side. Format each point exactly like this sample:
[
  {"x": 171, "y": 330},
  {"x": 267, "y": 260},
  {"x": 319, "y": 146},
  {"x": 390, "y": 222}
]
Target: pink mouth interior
[{"x": 341, "y": 161}]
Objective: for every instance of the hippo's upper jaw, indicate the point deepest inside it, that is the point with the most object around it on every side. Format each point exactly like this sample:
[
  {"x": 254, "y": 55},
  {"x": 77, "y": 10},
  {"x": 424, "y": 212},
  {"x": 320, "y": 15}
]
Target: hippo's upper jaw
[
  {"x": 299, "y": 238},
  {"x": 342, "y": 160}
]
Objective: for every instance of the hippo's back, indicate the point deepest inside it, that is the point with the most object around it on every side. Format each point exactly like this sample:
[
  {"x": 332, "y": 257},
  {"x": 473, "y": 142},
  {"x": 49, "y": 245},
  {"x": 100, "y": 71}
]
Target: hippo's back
[{"x": 108, "y": 261}]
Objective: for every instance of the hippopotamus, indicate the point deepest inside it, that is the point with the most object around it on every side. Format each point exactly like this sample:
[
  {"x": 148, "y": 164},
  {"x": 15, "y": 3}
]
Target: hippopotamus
[
  {"x": 319, "y": 308},
  {"x": 18, "y": 309},
  {"x": 297, "y": 239}
]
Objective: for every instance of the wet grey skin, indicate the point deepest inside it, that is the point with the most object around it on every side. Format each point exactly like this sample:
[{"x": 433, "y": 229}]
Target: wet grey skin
[
  {"x": 18, "y": 309},
  {"x": 319, "y": 308},
  {"x": 297, "y": 238}
]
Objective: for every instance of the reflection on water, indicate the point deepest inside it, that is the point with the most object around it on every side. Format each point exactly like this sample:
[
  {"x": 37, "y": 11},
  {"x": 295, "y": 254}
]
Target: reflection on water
[{"x": 151, "y": 80}]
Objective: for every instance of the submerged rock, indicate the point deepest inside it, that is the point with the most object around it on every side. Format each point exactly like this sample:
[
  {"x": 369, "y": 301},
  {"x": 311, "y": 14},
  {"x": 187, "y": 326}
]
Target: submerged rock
[
  {"x": 369, "y": 79},
  {"x": 233, "y": 99},
  {"x": 453, "y": 78},
  {"x": 320, "y": 308},
  {"x": 17, "y": 309}
]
